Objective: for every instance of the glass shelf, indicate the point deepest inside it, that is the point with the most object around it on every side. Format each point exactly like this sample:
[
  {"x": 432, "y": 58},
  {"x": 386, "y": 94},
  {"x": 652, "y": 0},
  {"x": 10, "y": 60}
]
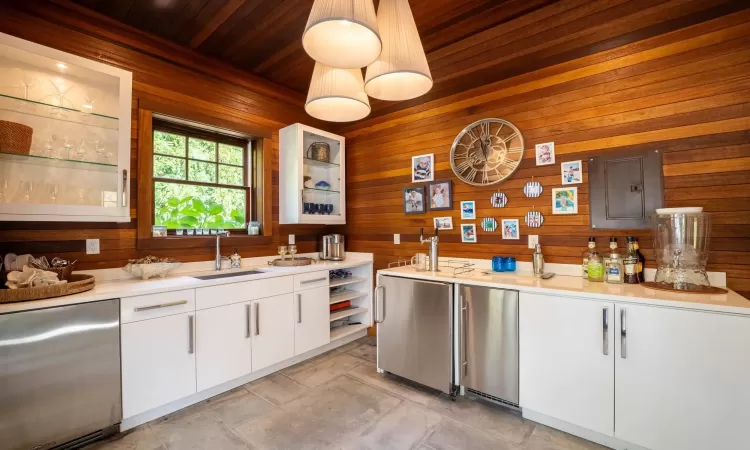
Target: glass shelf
[
  {"x": 325, "y": 191},
  {"x": 316, "y": 163},
  {"x": 57, "y": 162},
  {"x": 58, "y": 113}
]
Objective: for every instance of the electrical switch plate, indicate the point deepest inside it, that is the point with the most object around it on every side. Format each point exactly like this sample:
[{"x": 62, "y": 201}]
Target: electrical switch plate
[
  {"x": 396, "y": 239},
  {"x": 533, "y": 240},
  {"x": 92, "y": 246},
  {"x": 291, "y": 239}
]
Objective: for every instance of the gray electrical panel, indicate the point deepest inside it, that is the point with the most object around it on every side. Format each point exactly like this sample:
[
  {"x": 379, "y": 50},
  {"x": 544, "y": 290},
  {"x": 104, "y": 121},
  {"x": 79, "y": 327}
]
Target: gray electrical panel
[{"x": 624, "y": 189}]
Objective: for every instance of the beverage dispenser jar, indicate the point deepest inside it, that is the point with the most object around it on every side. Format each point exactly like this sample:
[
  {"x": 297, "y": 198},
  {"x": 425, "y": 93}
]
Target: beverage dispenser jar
[{"x": 681, "y": 244}]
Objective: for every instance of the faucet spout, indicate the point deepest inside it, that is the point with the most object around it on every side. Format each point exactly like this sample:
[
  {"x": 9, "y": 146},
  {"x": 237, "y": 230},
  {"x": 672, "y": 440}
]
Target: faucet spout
[{"x": 218, "y": 248}]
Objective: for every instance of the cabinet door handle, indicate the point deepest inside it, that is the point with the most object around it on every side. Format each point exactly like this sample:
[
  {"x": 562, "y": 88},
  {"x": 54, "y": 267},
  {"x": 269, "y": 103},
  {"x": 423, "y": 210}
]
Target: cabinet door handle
[
  {"x": 299, "y": 308},
  {"x": 257, "y": 319},
  {"x": 316, "y": 280},
  {"x": 605, "y": 331},
  {"x": 191, "y": 335},
  {"x": 163, "y": 305},
  {"x": 623, "y": 335},
  {"x": 124, "y": 187},
  {"x": 464, "y": 324},
  {"x": 375, "y": 297},
  {"x": 247, "y": 321}
]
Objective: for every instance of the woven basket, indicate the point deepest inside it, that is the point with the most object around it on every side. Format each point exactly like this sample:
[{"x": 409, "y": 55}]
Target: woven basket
[
  {"x": 78, "y": 283},
  {"x": 301, "y": 261},
  {"x": 15, "y": 138}
]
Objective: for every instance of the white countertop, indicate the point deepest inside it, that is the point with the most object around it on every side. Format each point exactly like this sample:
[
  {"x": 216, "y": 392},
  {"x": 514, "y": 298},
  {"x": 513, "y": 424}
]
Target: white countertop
[
  {"x": 578, "y": 287},
  {"x": 125, "y": 288}
]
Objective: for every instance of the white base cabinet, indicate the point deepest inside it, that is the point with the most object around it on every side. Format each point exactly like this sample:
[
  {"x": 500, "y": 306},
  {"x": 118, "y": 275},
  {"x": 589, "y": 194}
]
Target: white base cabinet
[
  {"x": 158, "y": 362},
  {"x": 312, "y": 327},
  {"x": 223, "y": 344},
  {"x": 272, "y": 330},
  {"x": 567, "y": 360},
  {"x": 682, "y": 379}
]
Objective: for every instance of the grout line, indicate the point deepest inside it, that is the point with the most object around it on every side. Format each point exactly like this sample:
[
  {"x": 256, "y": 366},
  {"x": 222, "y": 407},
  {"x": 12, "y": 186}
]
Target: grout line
[{"x": 153, "y": 433}]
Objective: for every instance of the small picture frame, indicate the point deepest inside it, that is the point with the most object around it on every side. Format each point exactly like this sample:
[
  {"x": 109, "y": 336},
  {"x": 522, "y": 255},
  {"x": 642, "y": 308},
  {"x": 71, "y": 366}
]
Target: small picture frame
[
  {"x": 499, "y": 200},
  {"x": 468, "y": 210},
  {"x": 468, "y": 233},
  {"x": 545, "y": 154},
  {"x": 422, "y": 168},
  {"x": 565, "y": 200},
  {"x": 440, "y": 195},
  {"x": 571, "y": 172},
  {"x": 510, "y": 229},
  {"x": 443, "y": 223},
  {"x": 414, "y": 201}
]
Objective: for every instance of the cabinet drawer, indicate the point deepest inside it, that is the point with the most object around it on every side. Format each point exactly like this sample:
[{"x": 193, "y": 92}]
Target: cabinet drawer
[
  {"x": 142, "y": 307},
  {"x": 226, "y": 294},
  {"x": 310, "y": 280}
]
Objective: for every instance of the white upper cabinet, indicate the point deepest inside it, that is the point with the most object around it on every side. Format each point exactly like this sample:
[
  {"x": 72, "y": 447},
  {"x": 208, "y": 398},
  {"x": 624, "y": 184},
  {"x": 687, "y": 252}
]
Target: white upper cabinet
[
  {"x": 681, "y": 378},
  {"x": 567, "y": 359},
  {"x": 64, "y": 136},
  {"x": 311, "y": 176}
]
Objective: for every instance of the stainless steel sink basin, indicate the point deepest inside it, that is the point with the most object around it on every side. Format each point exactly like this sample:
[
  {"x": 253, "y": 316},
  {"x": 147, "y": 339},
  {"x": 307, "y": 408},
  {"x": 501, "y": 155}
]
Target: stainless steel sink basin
[{"x": 227, "y": 275}]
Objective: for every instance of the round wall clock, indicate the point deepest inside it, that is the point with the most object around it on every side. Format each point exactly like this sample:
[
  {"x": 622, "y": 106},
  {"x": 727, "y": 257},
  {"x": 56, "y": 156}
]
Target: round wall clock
[{"x": 487, "y": 152}]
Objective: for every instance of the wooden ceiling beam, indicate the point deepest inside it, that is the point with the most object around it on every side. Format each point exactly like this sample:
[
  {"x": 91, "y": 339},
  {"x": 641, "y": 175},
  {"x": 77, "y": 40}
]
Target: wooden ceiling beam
[{"x": 221, "y": 16}]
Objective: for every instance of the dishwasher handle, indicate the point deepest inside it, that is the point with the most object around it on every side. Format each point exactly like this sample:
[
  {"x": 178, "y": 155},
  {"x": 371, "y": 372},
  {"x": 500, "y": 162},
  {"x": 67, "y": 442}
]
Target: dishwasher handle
[{"x": 376, "y": 309}]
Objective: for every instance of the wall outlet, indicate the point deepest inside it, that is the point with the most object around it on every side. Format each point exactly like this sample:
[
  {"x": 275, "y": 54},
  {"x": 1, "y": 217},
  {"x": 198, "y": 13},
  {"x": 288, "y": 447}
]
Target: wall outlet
[
  {"x": 397, "y": 239},
  {"x": 291, "y": 239},
  {"x": 92, "y": 246},
  {"x": 533, "y": 240}
]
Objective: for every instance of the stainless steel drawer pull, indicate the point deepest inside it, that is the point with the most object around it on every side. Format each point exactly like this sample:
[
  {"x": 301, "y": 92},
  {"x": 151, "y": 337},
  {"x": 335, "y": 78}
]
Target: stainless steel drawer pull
[
  {"x": 247, "y": 321},
  {"x": 299, "y": 308},
  {"x": 623, "y": 336},
  {"x": 163, "y": 305},
  {"x": 605, "y": 331},
  {"x": 375, "y": 308},
  {"x": 315, "y": 280},
  {"x": 257, "y": 319},
  {"x": 464, "y": 325},
  {"x": 191, "y": 335},
  {"x": 125, "y": 192}
]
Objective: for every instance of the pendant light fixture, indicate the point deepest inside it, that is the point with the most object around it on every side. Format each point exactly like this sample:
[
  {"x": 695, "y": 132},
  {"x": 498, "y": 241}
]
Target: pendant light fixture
[
  {"x": 401, "y": 71},
  {"x": 337, "y": 95},
  {"x": 342, "y": 33}
]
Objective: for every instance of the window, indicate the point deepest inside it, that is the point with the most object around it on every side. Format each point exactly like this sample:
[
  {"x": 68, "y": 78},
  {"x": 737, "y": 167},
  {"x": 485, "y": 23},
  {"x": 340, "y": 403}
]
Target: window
[{"x": 201, "y": 178}]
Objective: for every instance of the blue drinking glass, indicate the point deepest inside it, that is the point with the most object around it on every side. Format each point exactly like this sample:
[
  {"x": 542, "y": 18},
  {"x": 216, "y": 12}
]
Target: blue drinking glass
[
  {"x": 306, "y": 208},
  {"x": 497, "y": 264},
  {"x": 509, "y": 264},
  {"x": 329, "y": 208},
  {"x": 321, "y": 208}
]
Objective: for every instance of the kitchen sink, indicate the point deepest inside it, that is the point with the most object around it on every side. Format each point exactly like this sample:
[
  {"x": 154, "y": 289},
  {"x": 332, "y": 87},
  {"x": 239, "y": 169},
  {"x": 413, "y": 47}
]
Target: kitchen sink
[{"x": 227, "y": 275}]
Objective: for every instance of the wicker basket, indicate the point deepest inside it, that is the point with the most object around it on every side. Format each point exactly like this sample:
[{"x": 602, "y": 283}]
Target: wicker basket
[
  {"x": 15, "y": 138},
  {"x": 300, "y": 261},
  {"x": 78, "y": 283}
]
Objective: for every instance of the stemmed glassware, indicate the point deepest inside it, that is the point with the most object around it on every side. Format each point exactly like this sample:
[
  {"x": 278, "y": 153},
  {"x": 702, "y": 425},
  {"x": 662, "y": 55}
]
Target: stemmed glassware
[
  {"x": 53, "y": 192},
  {"x": 3, "y": 189},
  {"x": 282, "y": 251},
  {"x": 292, "y": 251}
]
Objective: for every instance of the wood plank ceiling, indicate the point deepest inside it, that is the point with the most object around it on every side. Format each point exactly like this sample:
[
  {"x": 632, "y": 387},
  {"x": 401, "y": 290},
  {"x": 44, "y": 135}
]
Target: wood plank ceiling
[{"x": 264, "y": 37}]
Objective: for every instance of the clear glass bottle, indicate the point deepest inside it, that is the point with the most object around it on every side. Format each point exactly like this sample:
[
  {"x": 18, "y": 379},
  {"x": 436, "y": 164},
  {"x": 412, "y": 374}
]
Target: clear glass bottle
[
  {"x": 630, "y": 262},
  {"x": 586, "y": 253},
  {"x": 596, "y": 267},
  {"x": 615, "y": 272}
]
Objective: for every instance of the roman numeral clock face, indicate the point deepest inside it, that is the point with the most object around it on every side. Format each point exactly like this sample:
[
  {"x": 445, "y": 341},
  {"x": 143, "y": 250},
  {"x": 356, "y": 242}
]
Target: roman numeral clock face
[{"x": 487, "y": 152}]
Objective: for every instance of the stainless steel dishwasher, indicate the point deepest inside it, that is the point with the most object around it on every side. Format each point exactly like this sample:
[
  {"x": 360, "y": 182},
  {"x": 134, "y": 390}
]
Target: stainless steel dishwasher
[
  {"x": 415, "y": 323},
  {"x": 488, "y": 343},
  {"x": 59, "y": 376}
]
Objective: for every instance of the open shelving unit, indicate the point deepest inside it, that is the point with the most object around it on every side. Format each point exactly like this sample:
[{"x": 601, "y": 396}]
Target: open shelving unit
[{"x": 357, "y": 289}]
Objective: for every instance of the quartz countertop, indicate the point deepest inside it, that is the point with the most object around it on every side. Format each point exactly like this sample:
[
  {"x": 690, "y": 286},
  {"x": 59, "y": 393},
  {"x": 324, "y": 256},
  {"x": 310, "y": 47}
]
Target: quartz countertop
[
  {"x": 125, "y": 288},
  {"x": 571, "y": 286}
]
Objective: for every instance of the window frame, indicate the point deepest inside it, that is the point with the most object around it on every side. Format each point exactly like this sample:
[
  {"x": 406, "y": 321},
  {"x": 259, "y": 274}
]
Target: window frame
[{"x": 247, "y": 145}]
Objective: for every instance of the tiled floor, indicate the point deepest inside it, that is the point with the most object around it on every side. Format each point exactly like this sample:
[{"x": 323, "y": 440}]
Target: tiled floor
[{"x": 338, "y": 401}]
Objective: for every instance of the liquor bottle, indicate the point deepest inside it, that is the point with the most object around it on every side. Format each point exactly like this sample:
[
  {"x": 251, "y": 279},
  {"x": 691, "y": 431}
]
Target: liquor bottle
[
  {"x": 596, "y": 267},
  {"x": 641, "y": 260},
  {"x": 615, "y": 269},
  {"x": 586, "y": 253},
  {"x": 631, "y": 263}
]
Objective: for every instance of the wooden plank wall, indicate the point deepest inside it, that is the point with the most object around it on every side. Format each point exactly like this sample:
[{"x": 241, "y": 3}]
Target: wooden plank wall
[
  {"x": 162, "y": 73},
  {"x": 685, "y": 91}
]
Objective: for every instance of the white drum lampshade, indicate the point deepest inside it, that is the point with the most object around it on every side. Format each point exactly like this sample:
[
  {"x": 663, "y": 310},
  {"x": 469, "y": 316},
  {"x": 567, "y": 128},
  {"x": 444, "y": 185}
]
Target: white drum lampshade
[
  {"x": 342, "y": 33},
  {"x": 337, "y": 95},
  {"x": 401, "y": 72}
]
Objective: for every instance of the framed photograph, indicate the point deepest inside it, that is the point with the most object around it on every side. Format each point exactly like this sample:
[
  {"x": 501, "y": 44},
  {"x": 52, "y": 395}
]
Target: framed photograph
[
  {"x": 565, "y": 200},
  {"x": 510, "y": 229},
  {"x": 469, "y": 233},
  {"x": 572, "y": 172},
  {"x": 441, "y": 195},
  {"x": 545, "y": 154},
  {"x": 414, "y": 201},
  {"x": 443, "y": 223},
  {"x": 422, "y": 168},
  {"x": 468, "y": 210}
]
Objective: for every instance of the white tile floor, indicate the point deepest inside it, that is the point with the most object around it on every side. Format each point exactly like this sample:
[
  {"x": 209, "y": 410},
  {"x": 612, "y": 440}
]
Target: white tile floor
[{"x": 338, "y": 401}]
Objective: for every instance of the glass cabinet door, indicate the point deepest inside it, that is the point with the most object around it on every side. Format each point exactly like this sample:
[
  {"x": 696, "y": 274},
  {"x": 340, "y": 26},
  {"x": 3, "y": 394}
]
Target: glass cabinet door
[
  {"x": 61, "y": 136},
  {"x": 321, "y": 179}
]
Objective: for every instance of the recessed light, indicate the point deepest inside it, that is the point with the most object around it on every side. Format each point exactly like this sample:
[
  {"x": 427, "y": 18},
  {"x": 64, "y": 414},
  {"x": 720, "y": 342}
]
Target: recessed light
[
  {"x": 88, "y": 106},
  {"x": 61, "y": 66}
]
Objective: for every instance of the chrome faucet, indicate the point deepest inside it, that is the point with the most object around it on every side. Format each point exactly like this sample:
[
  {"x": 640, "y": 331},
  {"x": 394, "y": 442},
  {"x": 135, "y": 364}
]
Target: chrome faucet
[
  {"x": 218, "y": 248},
  {"x": 433, "y": 241}
]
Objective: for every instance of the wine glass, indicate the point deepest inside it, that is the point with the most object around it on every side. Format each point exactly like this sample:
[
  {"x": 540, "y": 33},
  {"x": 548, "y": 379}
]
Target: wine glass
[
  {"x": 53, "y": 191},
  {"x": 25, "y": 190},
  {"x": 329, "y": 208},
  {"x": 292, "y": 251},
  {"x": 3, "y": 189},
  {"x": 282, "y": 251},
  {"x": 81, "y": 152}
]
